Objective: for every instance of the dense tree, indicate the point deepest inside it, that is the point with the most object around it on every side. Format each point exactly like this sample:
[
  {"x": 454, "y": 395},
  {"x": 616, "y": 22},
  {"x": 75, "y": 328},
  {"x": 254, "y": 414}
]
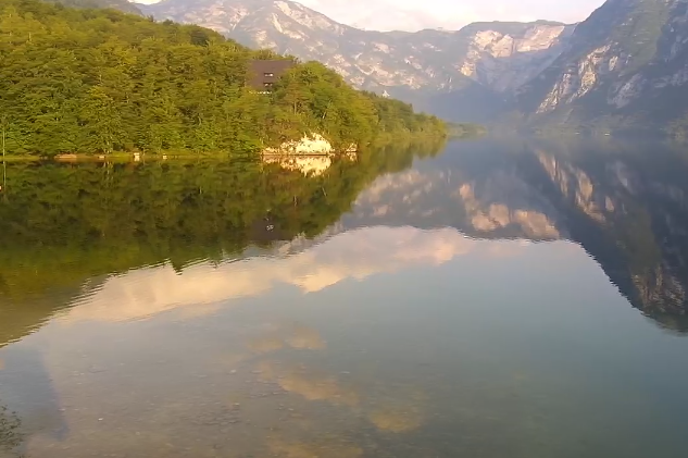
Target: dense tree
[{"x": 97, "y": 81}]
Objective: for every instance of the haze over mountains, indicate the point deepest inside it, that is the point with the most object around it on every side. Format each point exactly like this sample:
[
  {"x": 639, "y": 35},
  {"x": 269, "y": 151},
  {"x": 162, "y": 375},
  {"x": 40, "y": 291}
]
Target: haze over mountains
[{"x": 624, "y": 67}]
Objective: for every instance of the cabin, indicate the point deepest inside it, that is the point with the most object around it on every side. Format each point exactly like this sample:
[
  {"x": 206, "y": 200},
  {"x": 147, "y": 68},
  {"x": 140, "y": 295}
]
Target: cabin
[{"x": 263, "y": 74}]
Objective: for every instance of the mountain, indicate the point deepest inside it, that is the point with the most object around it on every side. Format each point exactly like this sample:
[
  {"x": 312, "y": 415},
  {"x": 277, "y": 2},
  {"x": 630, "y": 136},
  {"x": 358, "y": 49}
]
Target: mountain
[
  {"x": 485, "y": 62},
  {"x": 625, "y": 66}
]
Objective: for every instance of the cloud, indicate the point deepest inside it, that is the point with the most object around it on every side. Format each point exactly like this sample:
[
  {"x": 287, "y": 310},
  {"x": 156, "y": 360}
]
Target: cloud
[
  {"x": 420, "y": 14},
  {"x": 417, "y": 14}
]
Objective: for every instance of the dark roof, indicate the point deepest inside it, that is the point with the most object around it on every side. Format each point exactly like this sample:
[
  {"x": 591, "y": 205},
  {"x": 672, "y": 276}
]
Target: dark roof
[{"x": 264, "y": 73}]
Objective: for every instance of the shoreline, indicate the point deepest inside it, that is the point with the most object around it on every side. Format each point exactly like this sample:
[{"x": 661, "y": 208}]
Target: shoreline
[
  {"x": 224, "y": 155},
  {"x": 114, "y": 157}
]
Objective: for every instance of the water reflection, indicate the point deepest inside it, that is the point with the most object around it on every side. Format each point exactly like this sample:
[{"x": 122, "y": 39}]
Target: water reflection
[
  {"x": 381, "y": 307},
  {"x": 30, "y": 405},
  {"x": 307, "y": 165},
  {"x": 10, "y": 438},
  {"x": 295, "y": 336},
  {"x": 327, "y": 261},
  {"x": 625, "y": 206},
  {"x": 67, "y": 227}
]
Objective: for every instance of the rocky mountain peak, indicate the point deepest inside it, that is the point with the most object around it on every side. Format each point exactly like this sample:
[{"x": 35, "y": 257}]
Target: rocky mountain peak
[
  {"x": 226, "y": 16},
  {"x": 500, "y": 56},
  {"x": 505, "y": 56},
  {"x": 627, "y": 61}
]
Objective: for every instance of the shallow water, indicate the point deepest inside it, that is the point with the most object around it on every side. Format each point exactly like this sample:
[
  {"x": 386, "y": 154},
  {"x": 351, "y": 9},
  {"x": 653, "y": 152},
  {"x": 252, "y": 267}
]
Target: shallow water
[{"x": 503, "y": 298}]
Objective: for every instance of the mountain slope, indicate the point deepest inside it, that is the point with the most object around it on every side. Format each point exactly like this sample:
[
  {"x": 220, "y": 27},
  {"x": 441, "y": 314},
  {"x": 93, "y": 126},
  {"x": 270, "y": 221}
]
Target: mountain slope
[
  {"x": 626, "y": 65},
  {"x": 490, "y": 58},
  {"x": 122, "y": 5}
]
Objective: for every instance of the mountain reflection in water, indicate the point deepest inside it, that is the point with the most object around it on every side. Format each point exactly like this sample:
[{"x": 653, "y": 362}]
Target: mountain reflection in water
[
  {"x": 626, "y": 206},
  {"x": 402, "y": 304}
]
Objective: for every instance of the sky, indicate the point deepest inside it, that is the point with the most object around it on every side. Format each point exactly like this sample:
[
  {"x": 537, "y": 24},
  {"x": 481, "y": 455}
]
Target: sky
[{"x": 449, "y": 14}]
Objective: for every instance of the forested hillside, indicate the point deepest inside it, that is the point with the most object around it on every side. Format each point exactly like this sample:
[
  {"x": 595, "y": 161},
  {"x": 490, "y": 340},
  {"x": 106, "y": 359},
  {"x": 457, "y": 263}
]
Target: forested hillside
[
  {"x": 120, "y": 5},
  {"x": 97, "y": 81}
]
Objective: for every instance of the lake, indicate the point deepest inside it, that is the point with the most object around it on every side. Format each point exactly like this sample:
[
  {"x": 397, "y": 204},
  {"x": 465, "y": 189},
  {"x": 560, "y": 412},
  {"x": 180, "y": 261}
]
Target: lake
[{"x": 500, "y": 297}]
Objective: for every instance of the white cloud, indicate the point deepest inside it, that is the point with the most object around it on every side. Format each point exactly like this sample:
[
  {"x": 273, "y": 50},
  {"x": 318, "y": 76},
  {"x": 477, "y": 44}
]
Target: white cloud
[{"x": 449, "y": 14}]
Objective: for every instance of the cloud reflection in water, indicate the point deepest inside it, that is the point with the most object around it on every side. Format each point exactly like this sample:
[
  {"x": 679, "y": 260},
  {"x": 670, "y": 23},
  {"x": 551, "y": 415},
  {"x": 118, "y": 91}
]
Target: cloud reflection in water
[{"x": 356, "y": 254}]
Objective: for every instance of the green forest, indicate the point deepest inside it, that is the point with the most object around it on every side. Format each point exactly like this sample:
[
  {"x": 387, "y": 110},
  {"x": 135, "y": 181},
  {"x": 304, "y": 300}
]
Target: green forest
[{"x": 98, "y": 81}]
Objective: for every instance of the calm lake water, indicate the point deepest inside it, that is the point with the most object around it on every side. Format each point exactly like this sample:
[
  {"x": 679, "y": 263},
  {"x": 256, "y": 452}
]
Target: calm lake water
[{"x": 500, "y": 298}]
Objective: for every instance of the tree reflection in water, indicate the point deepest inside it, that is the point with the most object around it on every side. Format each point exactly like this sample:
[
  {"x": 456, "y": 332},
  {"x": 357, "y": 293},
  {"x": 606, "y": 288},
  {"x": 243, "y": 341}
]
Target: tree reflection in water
[{"x": 290, "y": 390}]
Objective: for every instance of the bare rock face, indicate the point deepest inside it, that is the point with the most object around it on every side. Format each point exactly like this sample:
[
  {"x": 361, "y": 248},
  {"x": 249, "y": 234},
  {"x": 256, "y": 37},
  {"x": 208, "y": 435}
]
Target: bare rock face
[
  {"x": 505, "y": 60},
  {"x": 627, "y": 64},
  {"x": 500, "y": 56},
  {"x": 314, "y": 144}
]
